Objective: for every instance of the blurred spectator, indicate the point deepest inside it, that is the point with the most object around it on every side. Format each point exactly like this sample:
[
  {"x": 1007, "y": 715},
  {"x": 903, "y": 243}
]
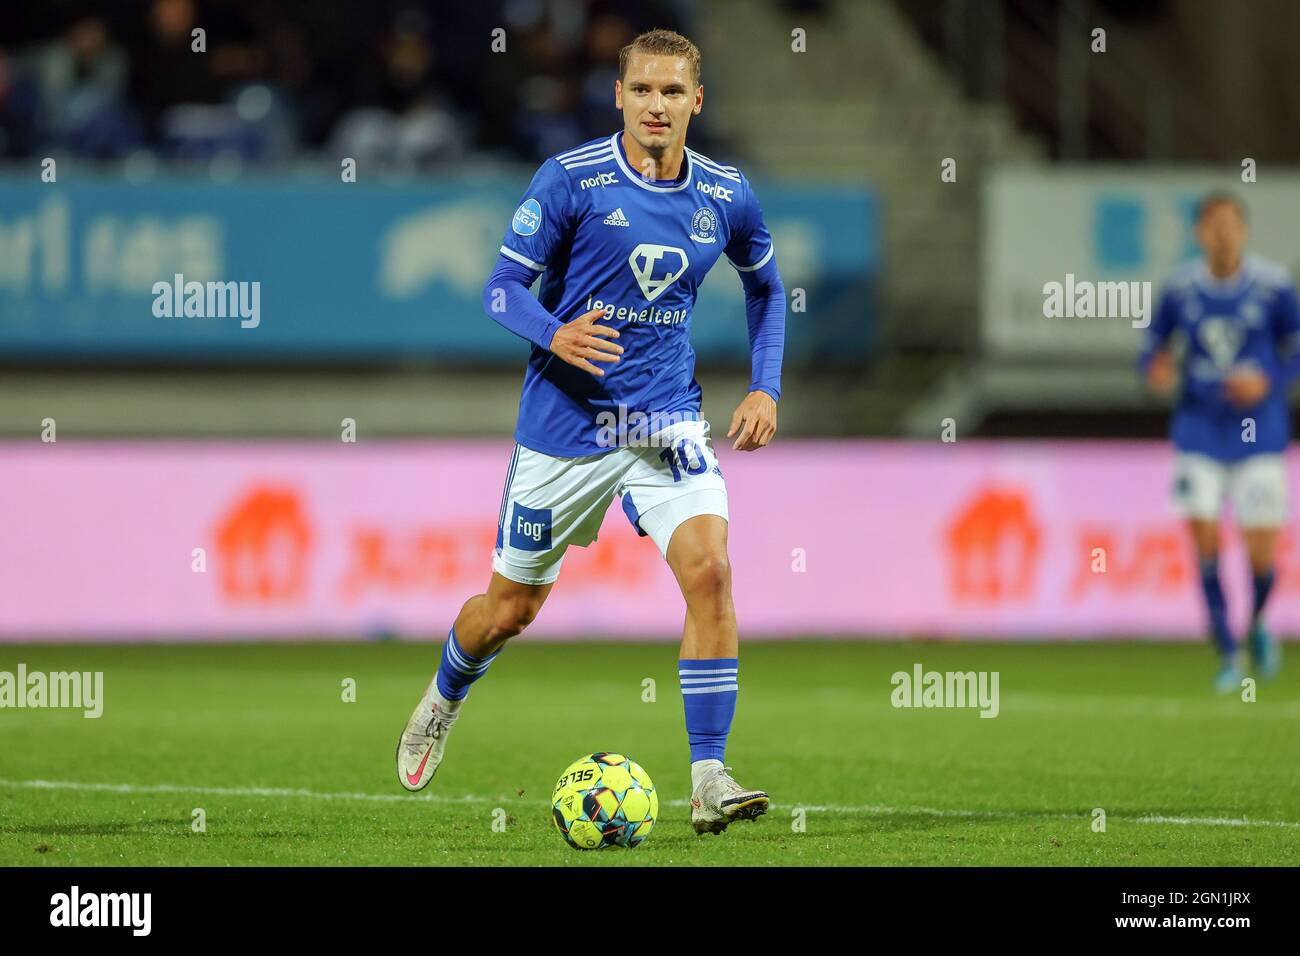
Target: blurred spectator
[
  {"x": 408, "y": 122},
  {"x": 18, "y": 107},
  {"x": 165, "y": 71},
  {"x": 607, "y": 34},
  {"x": 81, "y": 77},
  {"x": 398, "y": 83}
]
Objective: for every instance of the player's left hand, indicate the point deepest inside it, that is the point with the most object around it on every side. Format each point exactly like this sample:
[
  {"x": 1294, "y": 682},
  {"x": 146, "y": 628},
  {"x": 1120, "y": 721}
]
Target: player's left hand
[
  {"x": 755, "y": 418},
  {"x": 1246, "y": 386}
]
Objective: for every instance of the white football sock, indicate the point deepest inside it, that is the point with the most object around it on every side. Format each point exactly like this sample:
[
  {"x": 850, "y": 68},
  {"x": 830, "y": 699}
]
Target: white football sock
[{"x": 701, "y": 769}]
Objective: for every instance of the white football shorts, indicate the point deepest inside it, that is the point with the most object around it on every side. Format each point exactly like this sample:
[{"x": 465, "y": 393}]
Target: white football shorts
[
  {"x": 551, "y": 503},
  {"x": 1255, "y": 485}
]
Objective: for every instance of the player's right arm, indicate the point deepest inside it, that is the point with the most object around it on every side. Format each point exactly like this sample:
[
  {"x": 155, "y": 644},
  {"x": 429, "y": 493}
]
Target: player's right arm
[
  {"x": 580, "y": 342},
  {"x": 542, "y": 222},
  {"x": 1156, "y": 363}
]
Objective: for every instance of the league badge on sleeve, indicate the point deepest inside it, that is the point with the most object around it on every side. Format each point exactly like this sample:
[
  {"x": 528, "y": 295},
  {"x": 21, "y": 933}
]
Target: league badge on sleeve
[{"x": 528, "y": 218}]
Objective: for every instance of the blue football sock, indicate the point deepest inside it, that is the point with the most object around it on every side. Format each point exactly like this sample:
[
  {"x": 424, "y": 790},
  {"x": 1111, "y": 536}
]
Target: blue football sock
[
  {"x": 1263, "y": 586},
  {"x": 458, "y": 670},
  {"x": 709, "y": 692},
  {"x": 1217, "y": 605}
]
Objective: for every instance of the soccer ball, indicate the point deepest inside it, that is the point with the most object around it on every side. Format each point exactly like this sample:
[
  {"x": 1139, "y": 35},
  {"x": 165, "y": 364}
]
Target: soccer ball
[{"x": 604, "y": 800}]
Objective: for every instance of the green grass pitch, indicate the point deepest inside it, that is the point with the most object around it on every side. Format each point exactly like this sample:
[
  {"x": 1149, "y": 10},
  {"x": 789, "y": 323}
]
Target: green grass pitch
[{"x": 286, "y": 772}]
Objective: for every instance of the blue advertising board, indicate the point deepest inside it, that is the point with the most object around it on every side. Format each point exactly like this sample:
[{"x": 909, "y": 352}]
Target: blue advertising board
[{"x": 352, "y": 272}]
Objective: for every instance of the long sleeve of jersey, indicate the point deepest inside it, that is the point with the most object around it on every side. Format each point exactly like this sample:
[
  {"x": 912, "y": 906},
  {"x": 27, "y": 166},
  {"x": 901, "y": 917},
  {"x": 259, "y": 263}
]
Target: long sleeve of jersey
[
  {"x": 507, "y": 300},
  {"x": 539, "y": 227},
  {"x": 1162, "y": 326},
  {"x": 1287, "y": 331},
  {"x": 765, "y": 315},
  {"x": 752, "y": 253}
]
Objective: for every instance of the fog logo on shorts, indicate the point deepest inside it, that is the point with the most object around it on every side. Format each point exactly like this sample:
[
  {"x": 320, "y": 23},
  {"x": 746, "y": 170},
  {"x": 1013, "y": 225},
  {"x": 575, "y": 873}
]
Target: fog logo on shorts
[{"x": 530, "y": 528}]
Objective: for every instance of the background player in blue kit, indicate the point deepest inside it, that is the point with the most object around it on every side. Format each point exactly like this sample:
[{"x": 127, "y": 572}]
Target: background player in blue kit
[
  {"x": 1239, "y": 317},
  {"x": 622, "y": 230}
]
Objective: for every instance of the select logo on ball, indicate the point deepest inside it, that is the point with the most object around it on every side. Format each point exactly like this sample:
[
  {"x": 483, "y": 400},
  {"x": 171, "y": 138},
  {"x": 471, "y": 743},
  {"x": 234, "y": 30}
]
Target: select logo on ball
[{"x": 604, "y": 800}]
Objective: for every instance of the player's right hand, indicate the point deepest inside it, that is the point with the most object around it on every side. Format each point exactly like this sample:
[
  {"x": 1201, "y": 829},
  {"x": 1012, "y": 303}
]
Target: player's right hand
[
  {"x": 582, "y": 342},
  {"x": 1161, "y": 373}
]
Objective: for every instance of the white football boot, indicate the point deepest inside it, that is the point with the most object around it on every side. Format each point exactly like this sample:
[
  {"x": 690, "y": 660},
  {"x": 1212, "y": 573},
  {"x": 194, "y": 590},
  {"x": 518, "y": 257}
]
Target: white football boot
[
  {"x": 719, "y": 800},
  {"x": 420, "y": 749}
]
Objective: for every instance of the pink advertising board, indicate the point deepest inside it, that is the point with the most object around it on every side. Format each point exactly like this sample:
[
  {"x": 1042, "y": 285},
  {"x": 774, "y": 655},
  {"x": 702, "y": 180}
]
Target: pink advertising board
[{"x": 310, "y": 540}]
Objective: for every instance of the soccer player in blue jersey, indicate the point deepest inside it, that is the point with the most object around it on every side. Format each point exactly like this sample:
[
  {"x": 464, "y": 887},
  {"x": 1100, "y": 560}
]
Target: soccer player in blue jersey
[
  {"x": 1239, "y": 318},
  {"x": 622, "y": 230}
]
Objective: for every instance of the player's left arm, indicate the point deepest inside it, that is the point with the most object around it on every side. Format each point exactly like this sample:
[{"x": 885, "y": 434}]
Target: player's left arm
[
  {"x": 1286, "y": 332},
  {"x": 750, "y": 250},
  {"x": 1249, "y": 385}
]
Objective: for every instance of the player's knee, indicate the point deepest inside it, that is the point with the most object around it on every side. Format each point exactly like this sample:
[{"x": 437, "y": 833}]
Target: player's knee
[
  {"x": 508, "y": 616},
  {"x": 707, "y": 576}
]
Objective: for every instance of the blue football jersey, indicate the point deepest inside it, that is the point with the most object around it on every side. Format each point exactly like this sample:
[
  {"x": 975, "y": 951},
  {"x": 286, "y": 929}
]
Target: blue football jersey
[
  {"x": 1249, "y": 319},
  {"x": 603, "y": 236}
]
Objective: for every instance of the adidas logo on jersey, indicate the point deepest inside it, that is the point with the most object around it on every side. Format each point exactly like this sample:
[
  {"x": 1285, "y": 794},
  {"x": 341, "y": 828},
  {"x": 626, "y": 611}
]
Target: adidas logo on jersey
[{"x": 616, "y": 218}]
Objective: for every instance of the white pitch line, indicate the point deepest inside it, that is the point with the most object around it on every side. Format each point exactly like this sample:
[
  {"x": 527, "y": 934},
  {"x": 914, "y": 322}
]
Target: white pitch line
[
  {"x": 868, "y": 809},
  {"x": 1215, "y": 821},
  {"x": 1013, "y": 703},
  {"x": 233, "y": 791}
]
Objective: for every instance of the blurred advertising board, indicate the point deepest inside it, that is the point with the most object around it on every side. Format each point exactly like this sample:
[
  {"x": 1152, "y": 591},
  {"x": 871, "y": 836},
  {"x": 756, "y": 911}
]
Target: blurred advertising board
[
  {"x": 1126, "y": 224},
  {"x": 1020, "y": 540},
  {"x": 355, "y": 272}
]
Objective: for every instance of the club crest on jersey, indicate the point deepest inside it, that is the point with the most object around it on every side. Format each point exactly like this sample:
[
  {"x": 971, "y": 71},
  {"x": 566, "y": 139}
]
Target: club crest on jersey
[
  {"x": 528, "y": 218},
  {"x": 1252, "y": 314},
  {"x": 704, "y": 225},
  {"x": 1221, "y": 338},
  {"x": 644, "y": 260}
]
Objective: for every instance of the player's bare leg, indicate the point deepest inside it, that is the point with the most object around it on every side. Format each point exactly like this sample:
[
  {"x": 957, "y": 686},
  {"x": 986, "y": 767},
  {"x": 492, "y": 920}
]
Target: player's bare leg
[
  {"x": 708, "y": 666},
  {"x": 1205, "y": 536},
  {"x": 490, "y": 619},
  {"x": 482, "y": 628},
  {"x": 1261, "y": 545},
  {"x": 697, "y": 555}
]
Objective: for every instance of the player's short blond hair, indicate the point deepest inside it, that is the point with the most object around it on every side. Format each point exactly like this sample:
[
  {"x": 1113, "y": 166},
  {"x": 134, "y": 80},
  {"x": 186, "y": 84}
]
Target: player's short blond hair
[
  {"x": 662, "y": 43},
  {"x": 1219, "y": 198}
]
